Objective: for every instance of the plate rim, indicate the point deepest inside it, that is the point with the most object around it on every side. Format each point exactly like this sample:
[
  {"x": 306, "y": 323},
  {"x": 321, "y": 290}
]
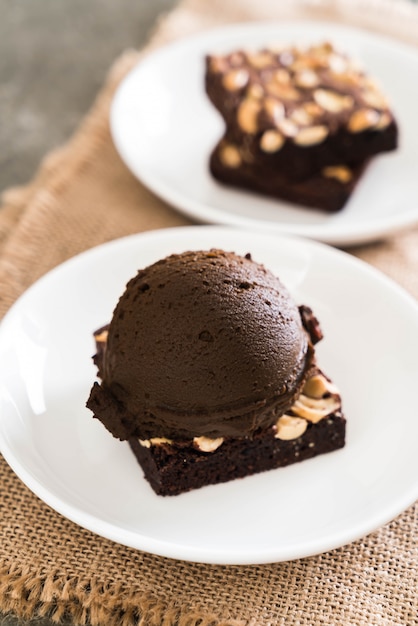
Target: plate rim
[{"x": 168, "y": 548}]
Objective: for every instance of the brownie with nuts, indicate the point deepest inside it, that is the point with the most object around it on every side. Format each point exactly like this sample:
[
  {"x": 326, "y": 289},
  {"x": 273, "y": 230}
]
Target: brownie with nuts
[
  {"x": 297, "y": 110},
  {"x": 208, "y": 370},
  {"x": 328, "y": 190},
  {"x": 173, "y": 467},
  {"x": 300, "y": 109},
  {"x": 313, "y": 425}
]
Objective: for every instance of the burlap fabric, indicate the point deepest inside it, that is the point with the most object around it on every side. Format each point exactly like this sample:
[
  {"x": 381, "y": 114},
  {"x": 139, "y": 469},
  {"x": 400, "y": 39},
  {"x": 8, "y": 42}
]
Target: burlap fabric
[{"x": 83, "y": 196}]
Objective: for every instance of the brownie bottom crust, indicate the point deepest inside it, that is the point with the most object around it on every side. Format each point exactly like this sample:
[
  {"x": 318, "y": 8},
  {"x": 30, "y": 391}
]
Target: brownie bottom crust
[{"x": 174, "y": 469}]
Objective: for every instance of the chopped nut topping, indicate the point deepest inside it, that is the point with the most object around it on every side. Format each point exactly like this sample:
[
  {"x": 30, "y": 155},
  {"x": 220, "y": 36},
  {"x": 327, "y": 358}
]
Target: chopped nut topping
[
  {"x": 305, "y": 62},
  {"x": 306, "y": 79},
  {"x": 284, "y": 92},
  {"x": 332, "y": 101},
  {"x": 205, "y": 444},
  {"x": 341, "y": 173},
  {"x": 384, "y": 121},
  {"x": 287, "y": 57},
  {"x": 323, "y": 49},
  {"x": 255, "y": 91},
  {"x": 218, "y": 65},
  {"x": 235, "y": 79},
  {"x": 287, "y": 127},
  {"x": 337, "y": 63},
  {"x": 363, "y": 119},
  {"x": 154, "y": 441},
  {"x": 247, "y": 115},
  {"x": 375, "y": 99},
  {"x": 311, "y": 135},
  {"x": 282, "y": 76},
  {"x": 318, "y": 386},
  {"x": 313, "y": 109},
  {"x": 230, "y": 156},
  {"x": 102, "y": 337},
  {"x": 289, "y": 427},
  {"x": 274, "y": 109},
  {"x": 261, "y": 59},
  {"x": 347, "y": 79},
  {"x": 301, "y": 117},
  {"x": 315, "y": 409},
  {"x": 271, "y": 141},
  {"x": 319, "y": 398},
  {"x": 303, "y": 93}
]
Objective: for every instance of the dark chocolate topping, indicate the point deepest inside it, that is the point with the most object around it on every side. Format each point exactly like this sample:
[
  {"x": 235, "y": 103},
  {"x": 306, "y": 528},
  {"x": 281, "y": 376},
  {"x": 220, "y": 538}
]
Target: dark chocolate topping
[{"x": 201, "y": 343}]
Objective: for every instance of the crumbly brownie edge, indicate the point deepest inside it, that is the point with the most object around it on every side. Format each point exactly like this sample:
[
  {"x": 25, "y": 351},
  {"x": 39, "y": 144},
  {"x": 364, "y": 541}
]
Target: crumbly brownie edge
[
  {"x": 172, "y": 471},
  {"x": 328, "y": 193}
]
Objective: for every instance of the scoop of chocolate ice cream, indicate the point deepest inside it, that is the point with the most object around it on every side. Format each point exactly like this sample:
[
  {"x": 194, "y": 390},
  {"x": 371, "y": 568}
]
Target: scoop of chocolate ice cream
[{"x": 203, "y": 343}]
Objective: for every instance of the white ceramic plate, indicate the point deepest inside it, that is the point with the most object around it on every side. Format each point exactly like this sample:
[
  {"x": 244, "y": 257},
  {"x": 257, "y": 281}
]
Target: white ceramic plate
[
  {"x": 70, "y": 461},
  {"x": 164, "y": 127}
]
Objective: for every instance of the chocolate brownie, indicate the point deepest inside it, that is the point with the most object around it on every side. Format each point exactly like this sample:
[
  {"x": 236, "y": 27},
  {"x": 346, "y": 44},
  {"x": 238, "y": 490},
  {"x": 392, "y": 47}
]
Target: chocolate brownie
[
  {"x": 174, "y": 467},
  {"x": 296, "y": 111},
  {"x": 328, "y": 190}
]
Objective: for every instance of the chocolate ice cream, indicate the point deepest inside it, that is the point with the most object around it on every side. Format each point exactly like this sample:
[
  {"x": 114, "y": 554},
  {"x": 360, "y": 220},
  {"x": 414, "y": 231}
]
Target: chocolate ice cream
[{"x": 203, "y": 343}]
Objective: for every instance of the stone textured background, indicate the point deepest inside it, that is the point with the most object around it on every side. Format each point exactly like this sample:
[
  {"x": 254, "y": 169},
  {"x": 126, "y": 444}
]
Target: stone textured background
[{"x": 54, "y": 55}]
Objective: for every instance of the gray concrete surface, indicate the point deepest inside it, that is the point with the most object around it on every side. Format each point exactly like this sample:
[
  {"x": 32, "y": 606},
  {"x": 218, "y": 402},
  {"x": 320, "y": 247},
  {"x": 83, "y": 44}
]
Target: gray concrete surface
[{"x": 54, "y": 55}]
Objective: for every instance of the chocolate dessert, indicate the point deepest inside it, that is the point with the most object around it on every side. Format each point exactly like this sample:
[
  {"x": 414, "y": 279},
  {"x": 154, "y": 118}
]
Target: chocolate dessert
[
  {"x": 208, "y": 370},
  {"x": 310, "y": 117},
  {"x": 328, "y": 190}
]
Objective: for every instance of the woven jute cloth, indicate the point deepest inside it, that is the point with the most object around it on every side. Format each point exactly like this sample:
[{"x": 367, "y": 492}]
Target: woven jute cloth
[{"x": 83, "y": 196}]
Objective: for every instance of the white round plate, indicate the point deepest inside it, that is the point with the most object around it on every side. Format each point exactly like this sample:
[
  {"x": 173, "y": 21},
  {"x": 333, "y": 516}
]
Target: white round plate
[
  {"x": 72, "y": 463},
  {"x": 164, "y": 128}
]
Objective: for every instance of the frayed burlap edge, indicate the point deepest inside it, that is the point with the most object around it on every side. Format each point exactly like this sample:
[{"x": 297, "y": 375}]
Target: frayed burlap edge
[{"x": 91, "y": 603}]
